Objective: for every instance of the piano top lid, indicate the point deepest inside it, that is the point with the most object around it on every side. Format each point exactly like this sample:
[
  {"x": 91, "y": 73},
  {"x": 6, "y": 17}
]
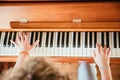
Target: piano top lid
[{"x": 54, "y": 0}]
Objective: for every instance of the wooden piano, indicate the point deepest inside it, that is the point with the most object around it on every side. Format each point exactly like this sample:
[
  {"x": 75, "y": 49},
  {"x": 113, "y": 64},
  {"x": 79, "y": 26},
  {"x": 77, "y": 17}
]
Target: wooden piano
[{"x": 68, "y": 31}]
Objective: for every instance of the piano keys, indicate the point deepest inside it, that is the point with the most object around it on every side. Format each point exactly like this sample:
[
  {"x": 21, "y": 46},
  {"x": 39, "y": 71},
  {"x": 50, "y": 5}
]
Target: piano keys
[{"x": 77, "y": 44}]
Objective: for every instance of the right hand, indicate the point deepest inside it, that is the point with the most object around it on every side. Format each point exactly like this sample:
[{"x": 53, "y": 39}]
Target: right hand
[{"x": 101, "y": 56}]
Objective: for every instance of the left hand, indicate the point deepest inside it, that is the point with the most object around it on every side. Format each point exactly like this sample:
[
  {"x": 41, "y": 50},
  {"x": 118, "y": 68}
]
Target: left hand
[{"x": 22, "y": 42}]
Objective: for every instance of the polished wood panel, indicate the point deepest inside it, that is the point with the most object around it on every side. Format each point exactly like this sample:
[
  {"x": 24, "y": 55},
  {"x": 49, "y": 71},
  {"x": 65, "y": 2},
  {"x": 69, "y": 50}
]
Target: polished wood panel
[
  {"x": 55, "y": 11},
  {"x": 49, "y": 0},
  {"x": 68, "y": 26},
  {"x": 61, "y": 59},
  {"x": 114, "y": 69}
]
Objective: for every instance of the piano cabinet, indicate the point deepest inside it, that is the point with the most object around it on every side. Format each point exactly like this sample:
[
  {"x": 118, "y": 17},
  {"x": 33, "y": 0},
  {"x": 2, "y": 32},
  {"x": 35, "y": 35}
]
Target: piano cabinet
[{"x": 59, "y": 11}]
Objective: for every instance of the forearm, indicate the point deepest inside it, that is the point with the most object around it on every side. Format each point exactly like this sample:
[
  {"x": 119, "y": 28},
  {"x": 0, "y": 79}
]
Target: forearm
[
  {"x": 106, "y": 73},
  {"x": 21, "y": 58}
]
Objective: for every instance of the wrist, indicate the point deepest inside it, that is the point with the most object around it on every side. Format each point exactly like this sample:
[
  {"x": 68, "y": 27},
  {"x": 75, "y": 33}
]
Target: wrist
[
  {"x": 103, "y": 68},
  {"x": 24, "y": 52}
]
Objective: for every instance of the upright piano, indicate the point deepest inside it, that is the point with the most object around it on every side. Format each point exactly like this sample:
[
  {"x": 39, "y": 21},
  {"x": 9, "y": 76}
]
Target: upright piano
[{"x": 68, "y": 31}]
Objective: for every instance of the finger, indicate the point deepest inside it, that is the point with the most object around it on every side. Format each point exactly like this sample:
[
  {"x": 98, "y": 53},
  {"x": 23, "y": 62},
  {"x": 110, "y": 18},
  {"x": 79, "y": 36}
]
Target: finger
[
  {"x": 98, "y": 47},
  {"x": 105, "y": 49},
  {"x": 26, "y": 37},
  {"x": 17, "y": 40},
  {"x": 14, "y": 43},
  {"x": 36, "y": 43},
  {"x": 101, "y": 49},
  {"x": 18, "y": 36},
  {"x": 21, "y": 37},
  {"x": 108, "y": 51}
]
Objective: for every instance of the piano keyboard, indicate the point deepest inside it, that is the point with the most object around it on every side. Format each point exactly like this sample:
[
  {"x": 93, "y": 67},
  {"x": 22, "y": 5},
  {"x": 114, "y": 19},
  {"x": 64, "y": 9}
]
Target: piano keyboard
[{"x": 63, "y": 43}]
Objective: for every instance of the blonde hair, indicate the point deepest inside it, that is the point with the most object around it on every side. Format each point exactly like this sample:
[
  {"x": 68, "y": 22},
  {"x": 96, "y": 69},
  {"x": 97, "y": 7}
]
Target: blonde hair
[{"x": 35, "y": 68}]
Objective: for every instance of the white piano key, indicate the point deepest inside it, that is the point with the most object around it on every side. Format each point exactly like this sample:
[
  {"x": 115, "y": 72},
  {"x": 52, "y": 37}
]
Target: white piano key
[
  {"x": 118, "y": 49},
  {"x": 54, "y": 44},
  {"x": 43, "y": 44},
  {"x": 72, "y": 48},
  {"x": 2, "y": 38},
  {"x": 60, "y": 48},
  {"x": 56, "y": 49},
  {"x": 34, "y": 37},
  {"x": 91, "y": 50},
  {"x": 64, "y": 53},
  {"x": 15, "y": 49},
  {"x": 104, "y": 38},
  {"x": 35, "y": 50},
  {"x": 10, "y": 48},
  {"x": 34, "y": 34},
  {"x": 39, "y": 49},
  {"x": 30, "y": 36},
  {"x": 84, "y": 49},
  {"x": 70, "y": 45},
  {"x": 88, "y": 54},
  {"x": 110, "y": 43},
  {"x": 6, "y": 47},
  {"x": 113, "y": 49},
  {"x": 37, "y": 46},
  {"x": 76, "y": 48},
  {"x": 80, "y": 50},
  {"x": 99, "y": 37},
  {"x": 48, "y": 48}
]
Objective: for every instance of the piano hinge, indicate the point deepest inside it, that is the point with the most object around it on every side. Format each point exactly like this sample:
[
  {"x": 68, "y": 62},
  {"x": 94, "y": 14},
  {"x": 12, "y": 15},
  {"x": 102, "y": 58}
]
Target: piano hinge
[
  {"x": 23, "y": 20},
  {"x": 76, "y": 20}
]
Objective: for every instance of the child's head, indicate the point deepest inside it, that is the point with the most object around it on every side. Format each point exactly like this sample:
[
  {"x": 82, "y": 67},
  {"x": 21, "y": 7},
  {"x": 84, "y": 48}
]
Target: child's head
[{"x": 36, "y": 68}]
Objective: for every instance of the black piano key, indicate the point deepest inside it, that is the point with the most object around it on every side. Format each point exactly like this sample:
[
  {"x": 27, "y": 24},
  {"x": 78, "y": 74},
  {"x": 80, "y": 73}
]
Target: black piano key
[
  {"x": 79, "y": 35},
  {"x": 14, "y": 38},
  {"x": 51, "y": 39},
  {"x": 58, "y": 39},
  {"x": 0, "y": 35},
  {"x": 90, "y": 39},
  {"x": 95, "y": 39},
  {"x": 119, "y": 38},
  {"x": 47, "y": 39},
  {"x": 10, "y": 37},
  {"x": 36, "y": 36},
  {"x": 102, "y": 38},
  {"x": 32, "y": 36},
  {"x": 74, "y": 39},
  {"x": 67, "y": 39},
  {"x": 40, "y": 42},
  {"x": 63, "y": 37},
  {"x": 86, "y": 38},
  {"x": 107, "y": 39},
  {"x": 5, "y": 39},
  {"x": 115, "y": 40}
]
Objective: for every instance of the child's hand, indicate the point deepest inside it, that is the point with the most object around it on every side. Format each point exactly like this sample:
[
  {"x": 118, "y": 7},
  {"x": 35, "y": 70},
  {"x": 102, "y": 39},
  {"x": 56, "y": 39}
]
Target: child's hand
[{"x": 101, "y": 56}]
